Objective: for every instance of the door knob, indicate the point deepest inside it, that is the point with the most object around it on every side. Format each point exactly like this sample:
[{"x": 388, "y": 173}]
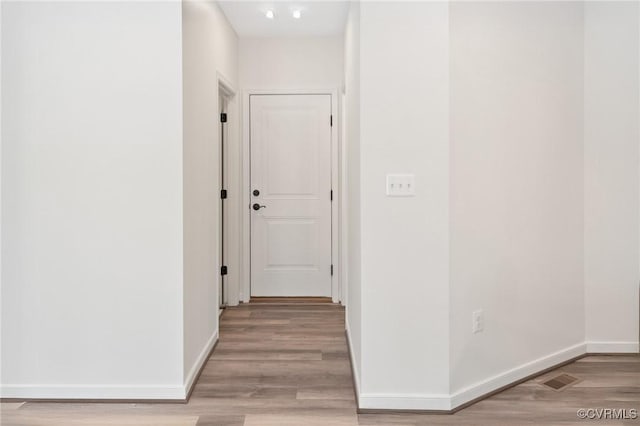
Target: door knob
[{"x": 257, "y": 207}]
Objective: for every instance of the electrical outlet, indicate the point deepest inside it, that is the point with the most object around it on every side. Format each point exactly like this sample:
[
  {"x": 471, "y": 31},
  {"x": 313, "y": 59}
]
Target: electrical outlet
[
  {"x": 477, "y": 321},
  {"x": 401, "y": 185}
]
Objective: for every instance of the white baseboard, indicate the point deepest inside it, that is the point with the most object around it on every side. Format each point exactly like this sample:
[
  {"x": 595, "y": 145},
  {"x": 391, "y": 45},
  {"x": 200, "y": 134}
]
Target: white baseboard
[
  {"x": 446, "y": 402},
  {"x": 107, "y": 392},
  {"x": 420, "y": 402},
  {"x": 429, "y": 402},
  {"x": 392, "y": 401},
  {"x": 613, "y": 347},
  {"x": 124, "y": 392},
  {"x": 354, "y": 365},
  {"x": 200, "y": 361},
  {"x": 513, "y": 375},
  {"x": 365, "y": 401}
]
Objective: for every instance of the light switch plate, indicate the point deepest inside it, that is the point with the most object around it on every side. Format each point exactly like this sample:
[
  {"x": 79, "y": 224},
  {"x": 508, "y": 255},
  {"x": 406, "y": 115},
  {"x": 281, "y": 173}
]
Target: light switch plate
[{"x": 401, "y": 185}]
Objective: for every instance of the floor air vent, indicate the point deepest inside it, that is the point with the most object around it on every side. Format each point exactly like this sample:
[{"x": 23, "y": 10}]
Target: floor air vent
[{"x": 560, "y": 382}]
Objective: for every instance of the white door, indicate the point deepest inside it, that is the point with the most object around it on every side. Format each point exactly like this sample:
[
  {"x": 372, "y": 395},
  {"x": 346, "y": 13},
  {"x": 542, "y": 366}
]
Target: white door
[{"x": 291, "y": 188}]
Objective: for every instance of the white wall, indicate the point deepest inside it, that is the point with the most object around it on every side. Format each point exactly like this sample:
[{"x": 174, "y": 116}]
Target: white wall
[
  {"x": 210, "y": 49},
  {"x": 404, "y": 104},
  {"x": 352, "y": 285},
  {"x": 93, "y": 304},
  {"x": 611, "y": 174},
  {"x": 544, "y": 186},
  {"x": 291, "y": 63},
  {"x": 91, "y": 200},
  {"x": 516, "y": 189}
]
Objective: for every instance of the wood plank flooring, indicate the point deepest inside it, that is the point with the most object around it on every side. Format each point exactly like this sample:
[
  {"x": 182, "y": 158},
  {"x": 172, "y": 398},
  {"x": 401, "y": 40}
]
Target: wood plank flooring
[{"x": 287, "y": 365}]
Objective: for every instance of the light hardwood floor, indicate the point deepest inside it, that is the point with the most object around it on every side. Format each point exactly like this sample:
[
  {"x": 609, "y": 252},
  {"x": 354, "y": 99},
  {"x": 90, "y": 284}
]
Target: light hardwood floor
[{"x": 287, "y": 365}]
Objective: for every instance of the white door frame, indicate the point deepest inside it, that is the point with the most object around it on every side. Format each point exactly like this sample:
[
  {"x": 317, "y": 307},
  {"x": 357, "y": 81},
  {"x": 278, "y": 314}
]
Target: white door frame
[
  {"x": 233, "y": 184},
  {"x": 245, "y": 290}
]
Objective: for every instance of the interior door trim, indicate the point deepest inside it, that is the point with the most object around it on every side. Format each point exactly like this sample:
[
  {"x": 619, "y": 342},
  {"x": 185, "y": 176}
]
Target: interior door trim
[{"x": 245, "y": 285}]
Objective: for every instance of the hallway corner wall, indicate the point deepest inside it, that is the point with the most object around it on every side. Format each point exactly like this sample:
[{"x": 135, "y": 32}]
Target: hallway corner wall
[
  {"x": 91, "y": 200},
  {"x": 404, "y": 128},
  {"x": 353, "y": 284},
  {"x": 210, "y": 49}
]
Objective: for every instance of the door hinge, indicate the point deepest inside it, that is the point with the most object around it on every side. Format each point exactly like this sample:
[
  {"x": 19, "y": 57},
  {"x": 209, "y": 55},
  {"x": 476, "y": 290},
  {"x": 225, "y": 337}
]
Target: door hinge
[
  {"x": 223, "y": 117},
  {"x": 223, "y": 270},
  {"x": 332, "y": 269},
  {"x": 223, "y": 194},
  {"x": 331, "y": 120},
  {"x": 331, "y": 196}
]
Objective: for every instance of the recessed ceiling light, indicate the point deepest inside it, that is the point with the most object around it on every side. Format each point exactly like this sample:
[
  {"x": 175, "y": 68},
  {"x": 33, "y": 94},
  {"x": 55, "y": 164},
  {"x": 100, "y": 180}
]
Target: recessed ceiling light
[
  {"x": 269, "y": 14},
  {"x": 297, "y": 14}
]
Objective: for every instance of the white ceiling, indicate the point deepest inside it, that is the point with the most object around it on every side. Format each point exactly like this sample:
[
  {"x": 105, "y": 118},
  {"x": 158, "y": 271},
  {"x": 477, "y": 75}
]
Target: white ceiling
[{"x": 319, "y": 18}]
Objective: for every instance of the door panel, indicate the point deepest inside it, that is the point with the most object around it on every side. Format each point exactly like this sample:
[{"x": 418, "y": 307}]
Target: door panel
[{"x": 291, "y": 168}]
